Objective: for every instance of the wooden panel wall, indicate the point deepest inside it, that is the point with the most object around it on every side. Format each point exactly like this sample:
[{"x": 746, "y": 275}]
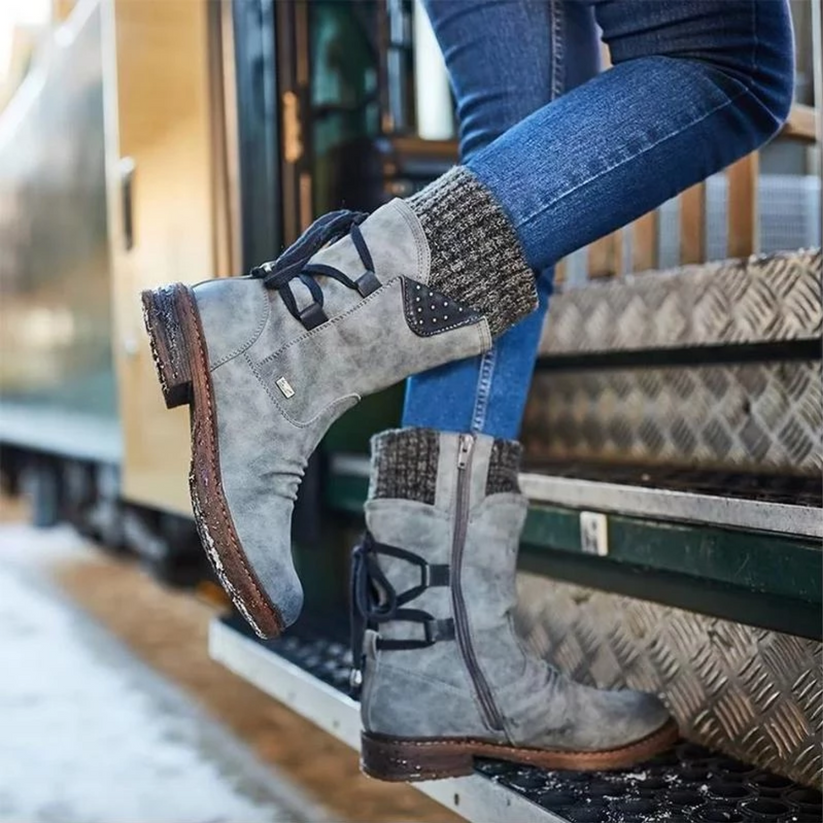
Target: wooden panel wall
[{"x": 158, "y": 99}]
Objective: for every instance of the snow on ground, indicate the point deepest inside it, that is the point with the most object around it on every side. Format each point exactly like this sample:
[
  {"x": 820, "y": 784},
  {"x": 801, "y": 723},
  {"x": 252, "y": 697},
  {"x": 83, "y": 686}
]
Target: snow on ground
[{"x": 88, "y": 734}]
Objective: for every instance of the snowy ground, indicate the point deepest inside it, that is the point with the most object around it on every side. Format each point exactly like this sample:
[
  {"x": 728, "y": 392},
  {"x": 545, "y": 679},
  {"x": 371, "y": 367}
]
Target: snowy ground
[{"x": 88, "y": 734}]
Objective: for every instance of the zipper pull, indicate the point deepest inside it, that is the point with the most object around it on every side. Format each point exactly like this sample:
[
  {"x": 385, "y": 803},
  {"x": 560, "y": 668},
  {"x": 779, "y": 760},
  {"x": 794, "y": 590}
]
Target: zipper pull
[{"x": 464, "y": 451}]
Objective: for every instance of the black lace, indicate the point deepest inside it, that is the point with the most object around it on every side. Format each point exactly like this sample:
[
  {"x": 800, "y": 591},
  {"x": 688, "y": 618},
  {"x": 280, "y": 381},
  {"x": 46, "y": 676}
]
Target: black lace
[
  {"x": 294, "y": 263},
  {"x": 375, "y": 601}
]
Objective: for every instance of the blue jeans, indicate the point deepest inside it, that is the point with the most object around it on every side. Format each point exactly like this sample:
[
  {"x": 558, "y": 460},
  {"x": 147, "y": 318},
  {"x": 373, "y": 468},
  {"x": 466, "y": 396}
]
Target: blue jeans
[{"x": 571, "y": 157}]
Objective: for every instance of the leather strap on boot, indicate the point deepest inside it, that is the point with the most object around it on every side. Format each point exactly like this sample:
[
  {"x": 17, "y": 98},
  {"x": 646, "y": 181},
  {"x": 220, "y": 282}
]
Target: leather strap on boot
[
  {"x": 294, "y": 263},
  {"x": 374, "y": 601}
]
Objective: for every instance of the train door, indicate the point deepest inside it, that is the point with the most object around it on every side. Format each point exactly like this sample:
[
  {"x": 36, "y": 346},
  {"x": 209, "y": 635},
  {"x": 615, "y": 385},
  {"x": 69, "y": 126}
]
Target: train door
[{"x": 170, "y": 208}]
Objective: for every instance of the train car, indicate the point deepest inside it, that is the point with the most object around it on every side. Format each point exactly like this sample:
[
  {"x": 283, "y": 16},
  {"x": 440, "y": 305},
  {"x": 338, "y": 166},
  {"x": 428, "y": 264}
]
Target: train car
[
  {"x": 58, "y": 383},
  {"x": 672, "y": 430}
]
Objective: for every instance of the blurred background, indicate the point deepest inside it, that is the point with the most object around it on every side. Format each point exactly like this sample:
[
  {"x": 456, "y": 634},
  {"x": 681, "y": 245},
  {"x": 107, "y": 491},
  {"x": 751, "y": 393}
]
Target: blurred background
[{"x": 676, "y": 406}]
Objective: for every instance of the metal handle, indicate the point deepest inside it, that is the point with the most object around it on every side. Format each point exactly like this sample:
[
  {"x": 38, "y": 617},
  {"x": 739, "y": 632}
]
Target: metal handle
[{"x": 126, "y": 196}]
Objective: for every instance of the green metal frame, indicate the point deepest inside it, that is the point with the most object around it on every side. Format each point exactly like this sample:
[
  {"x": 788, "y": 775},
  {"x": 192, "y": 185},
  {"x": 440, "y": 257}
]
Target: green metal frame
[
  {"x": 758, "y": 562},
  {"x": 770, "y": 581}
]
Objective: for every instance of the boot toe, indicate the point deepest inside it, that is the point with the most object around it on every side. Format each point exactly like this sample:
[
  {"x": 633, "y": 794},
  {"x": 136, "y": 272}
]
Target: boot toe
[
  {"x": 646, "y": 714},
  {"x": 619, "y": 718},
  {"x": 264, "y": 532}
]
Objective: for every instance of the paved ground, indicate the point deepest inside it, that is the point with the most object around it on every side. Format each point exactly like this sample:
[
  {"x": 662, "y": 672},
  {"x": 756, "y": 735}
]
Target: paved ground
[
  {"x": 111, "y": 711},
  {"x": 91, "y": 734}
]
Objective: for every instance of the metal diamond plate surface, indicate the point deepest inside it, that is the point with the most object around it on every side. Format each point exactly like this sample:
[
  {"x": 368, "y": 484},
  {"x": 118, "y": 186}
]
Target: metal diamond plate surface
[
  {"x": 760, "y": 299},
  {"x": 751, "y": 416},
  {"x": 752, "y": 694},
  {"x": 687, "y": 784}
]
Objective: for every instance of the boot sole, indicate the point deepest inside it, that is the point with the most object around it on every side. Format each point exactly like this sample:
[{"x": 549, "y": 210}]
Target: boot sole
[
  {"x": 411, "y": 760},
  {"x": 181, "y": 359}
]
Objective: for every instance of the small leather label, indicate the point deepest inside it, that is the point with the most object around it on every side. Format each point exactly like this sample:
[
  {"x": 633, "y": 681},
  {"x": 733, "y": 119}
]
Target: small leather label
[{"x": 284, "y": 387}]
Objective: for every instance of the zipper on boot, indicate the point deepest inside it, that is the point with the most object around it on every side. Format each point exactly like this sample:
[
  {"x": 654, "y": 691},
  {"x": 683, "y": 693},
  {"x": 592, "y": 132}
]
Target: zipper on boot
[{"x": 491, "y": 713}]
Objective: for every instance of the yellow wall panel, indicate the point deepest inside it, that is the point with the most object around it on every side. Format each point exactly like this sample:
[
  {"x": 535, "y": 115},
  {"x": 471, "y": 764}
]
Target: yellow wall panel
[{"x": 158, "y": 116}]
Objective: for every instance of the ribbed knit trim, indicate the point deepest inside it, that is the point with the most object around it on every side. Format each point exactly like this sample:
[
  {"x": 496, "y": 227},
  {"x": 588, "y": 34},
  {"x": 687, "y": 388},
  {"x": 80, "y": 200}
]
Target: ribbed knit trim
[
  {"x": 404, "y": 465},
  {"x": 504, "y": 467},
  {"x": 476, "y": 257}
]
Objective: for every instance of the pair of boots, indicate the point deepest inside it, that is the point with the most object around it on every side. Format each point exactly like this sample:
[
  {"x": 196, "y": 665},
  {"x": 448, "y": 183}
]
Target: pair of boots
[{"x": 267, "y": 362}]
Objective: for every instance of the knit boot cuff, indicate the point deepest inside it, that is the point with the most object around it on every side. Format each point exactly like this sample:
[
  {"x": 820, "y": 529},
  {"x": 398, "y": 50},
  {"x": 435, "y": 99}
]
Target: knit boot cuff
[
  {"x": 404, "y": 465},
  {"x": 504, "y": 467},
  {"x": 476, "y": 258}
]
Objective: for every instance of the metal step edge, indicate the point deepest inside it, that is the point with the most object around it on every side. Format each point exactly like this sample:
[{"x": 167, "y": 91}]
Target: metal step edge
[
  {"x": 475, "y": 798},
  {"x": 623, "y": 314},
  {"x": 687, "y": 507}
]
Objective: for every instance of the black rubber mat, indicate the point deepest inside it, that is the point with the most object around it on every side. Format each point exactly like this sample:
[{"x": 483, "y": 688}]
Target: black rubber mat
[{"x": 688, "y": 784}]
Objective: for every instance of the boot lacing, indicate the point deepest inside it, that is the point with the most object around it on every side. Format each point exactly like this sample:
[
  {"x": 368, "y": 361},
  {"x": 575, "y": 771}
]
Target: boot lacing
[
  {"x": 294, "y": 263},
  {"x": 374, "y": 601}
]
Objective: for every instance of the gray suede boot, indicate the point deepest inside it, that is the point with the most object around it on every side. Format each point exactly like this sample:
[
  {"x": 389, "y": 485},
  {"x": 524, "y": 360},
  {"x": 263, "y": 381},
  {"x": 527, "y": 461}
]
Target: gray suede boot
[
  {"x": 445, "y": 677},
  {"x": 267, "y": 362}
]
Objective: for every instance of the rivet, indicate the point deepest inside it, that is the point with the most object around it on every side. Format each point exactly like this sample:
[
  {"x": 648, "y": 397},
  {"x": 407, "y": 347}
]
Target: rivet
[
  {"x": 446, "y": 317},
  {"x": 432, "y": 306},
  {"x": 419, "y": 322},
  {"x": 418, "y": 288},
  {"x": 460, "y": 309},
  {"x": 434, "y": 319},
  {"x": 417, "y": 299},
  {"x": 420, "y": 310},
  {"x": 446, "y": 303}
]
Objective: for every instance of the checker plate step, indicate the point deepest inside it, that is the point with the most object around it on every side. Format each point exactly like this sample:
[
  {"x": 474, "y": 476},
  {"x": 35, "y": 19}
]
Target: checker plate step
[{"x": 688, "y": 783}]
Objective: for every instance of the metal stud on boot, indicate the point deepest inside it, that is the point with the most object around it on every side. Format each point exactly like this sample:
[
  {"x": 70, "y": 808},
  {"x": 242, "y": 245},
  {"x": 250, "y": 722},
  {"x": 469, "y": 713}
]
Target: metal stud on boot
[
  {"x": 268, "y": 362},
  {"x": 445, "y": 676}
]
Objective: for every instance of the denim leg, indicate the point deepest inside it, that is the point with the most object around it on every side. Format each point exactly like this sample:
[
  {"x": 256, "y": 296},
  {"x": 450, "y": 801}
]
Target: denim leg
[
  {"x": 696, "y": 84},
  {"x": 506, "y": 59}
]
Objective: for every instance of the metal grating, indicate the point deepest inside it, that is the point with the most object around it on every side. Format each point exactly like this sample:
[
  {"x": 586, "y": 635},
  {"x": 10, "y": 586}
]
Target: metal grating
[
  {"x": 750, "y": 693},
  {"x": 748, "y": 416},
  {"x": 789, "y": 213},
  {"x": 328, "y": 659},
  {"x": 689, "y": 783},
  {"x": 762, "y": 488}
]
